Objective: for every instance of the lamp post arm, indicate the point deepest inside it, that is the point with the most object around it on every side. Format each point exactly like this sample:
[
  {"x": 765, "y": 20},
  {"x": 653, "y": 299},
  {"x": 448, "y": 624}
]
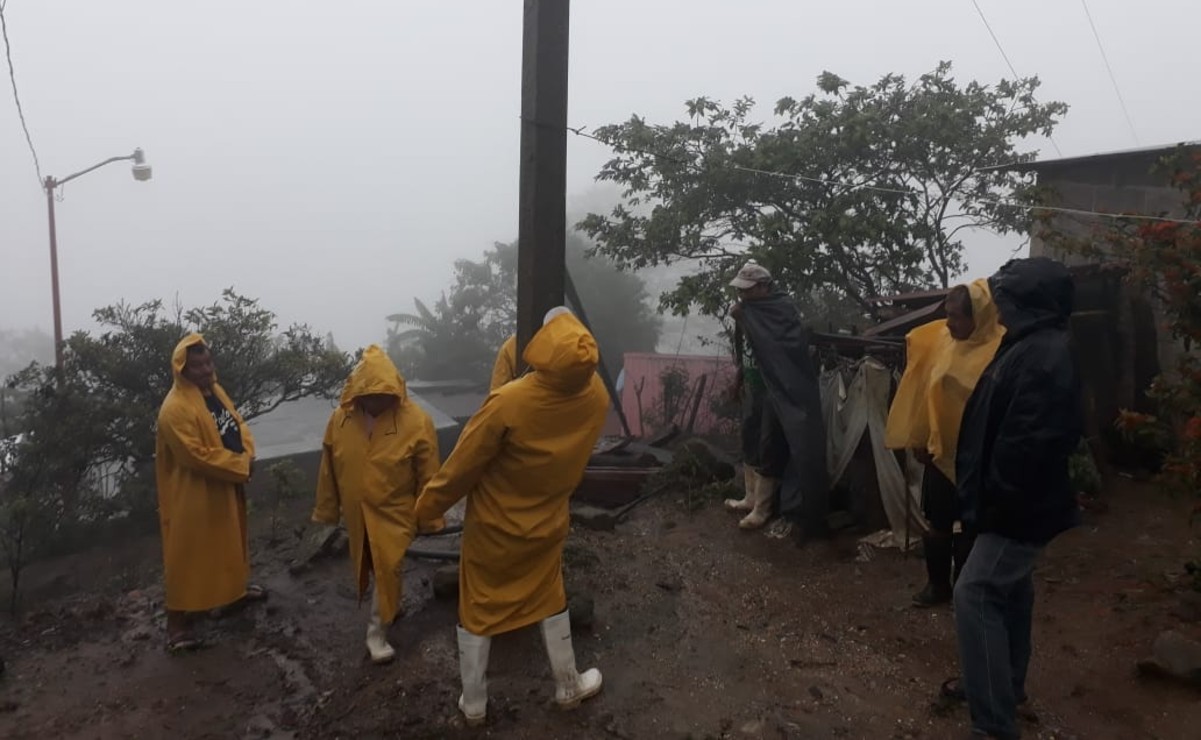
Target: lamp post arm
[{"x": 69, "y": 178}]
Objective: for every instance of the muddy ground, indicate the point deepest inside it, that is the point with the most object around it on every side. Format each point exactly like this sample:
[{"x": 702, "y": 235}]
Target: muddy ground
[{"x": 701, "y": 631}]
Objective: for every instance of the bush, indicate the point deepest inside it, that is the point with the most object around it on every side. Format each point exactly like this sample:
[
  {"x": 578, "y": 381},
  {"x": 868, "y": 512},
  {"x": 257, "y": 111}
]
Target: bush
[{"x": 85, "y": 461}]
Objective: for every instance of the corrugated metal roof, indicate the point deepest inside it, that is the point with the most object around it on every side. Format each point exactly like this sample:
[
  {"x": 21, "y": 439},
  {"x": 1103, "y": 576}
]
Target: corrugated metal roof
[
  {"x": 902, "y": 324},
  {"x": 1150, "y": 152}
]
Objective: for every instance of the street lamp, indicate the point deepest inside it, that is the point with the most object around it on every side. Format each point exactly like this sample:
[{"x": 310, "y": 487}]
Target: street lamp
[{"x": 141, "y": 173}]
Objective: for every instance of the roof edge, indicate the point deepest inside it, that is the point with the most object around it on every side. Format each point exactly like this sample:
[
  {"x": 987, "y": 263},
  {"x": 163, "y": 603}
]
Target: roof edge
[{"x": 1040, "y": 164}]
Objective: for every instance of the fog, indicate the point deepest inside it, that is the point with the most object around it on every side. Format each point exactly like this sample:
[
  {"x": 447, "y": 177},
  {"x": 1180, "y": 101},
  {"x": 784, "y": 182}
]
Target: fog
[{"x": 333, "y": 159}]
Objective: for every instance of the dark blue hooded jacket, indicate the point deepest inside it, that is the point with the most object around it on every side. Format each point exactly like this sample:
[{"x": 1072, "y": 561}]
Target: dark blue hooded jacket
[{"x": 1023, "y": 421}]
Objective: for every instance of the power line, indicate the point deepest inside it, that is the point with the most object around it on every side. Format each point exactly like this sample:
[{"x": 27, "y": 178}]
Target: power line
[
  {"x": 582, "y": 132},
  {"x": 12, "y": 76},
  {"x": 1008, "y": 63},
  {"x": 1109, "y": 70},
  {"x": 996, "y": 40}
]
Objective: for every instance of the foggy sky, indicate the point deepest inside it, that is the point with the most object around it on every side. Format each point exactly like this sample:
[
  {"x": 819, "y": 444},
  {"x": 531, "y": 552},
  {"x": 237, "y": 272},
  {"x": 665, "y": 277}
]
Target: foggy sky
[{"x": 333, "y": 159}]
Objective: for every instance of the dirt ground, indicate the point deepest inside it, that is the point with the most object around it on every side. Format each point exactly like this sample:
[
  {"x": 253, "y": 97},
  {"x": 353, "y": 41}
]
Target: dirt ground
[{"x": 701, "y": 631}]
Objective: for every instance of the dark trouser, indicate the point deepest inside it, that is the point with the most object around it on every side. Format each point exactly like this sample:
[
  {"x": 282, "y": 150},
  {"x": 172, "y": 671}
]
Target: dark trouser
[
  {"x": 752, "y": 423},
  {"x": 940, "y": 504},
  {"x": 764, "y": 446},
  {"x": 940, "y": 500},
  {"x": 773, "y": 445},
  {"x": 994, "y": 606}
]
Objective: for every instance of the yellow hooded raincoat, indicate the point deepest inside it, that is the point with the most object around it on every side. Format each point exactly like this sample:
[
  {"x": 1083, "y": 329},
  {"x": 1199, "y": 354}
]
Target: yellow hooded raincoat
[
  {"x": 373, "y": 481},
  {"x": 202, "y": 507},
  {"x": 940, "y": 375},
  {"x": 505, "y": 369},
  {"x": 518, "y": 461}
]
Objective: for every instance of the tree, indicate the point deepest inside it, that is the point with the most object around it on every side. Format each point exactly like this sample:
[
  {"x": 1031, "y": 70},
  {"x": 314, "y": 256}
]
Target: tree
[
  {"x": 32, "y": 504},
  {"x": 459, "y": 337},
  {"x": 441, "y": 343},
  {"x": 853, "y": 192},
  {"x": 92, "y": 433}
]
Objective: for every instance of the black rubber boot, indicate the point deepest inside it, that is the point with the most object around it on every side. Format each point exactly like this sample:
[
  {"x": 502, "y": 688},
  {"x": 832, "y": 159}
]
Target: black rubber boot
[
  {"x": 962, "y": 549},
  {"x": 938, "y": 552},
  {"x": 804, "y": 532}
]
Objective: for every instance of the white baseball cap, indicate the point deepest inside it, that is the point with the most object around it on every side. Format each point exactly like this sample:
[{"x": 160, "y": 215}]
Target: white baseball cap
[
  {"x": 555, "y": 313},
  {"x": 751, "y": 274}
]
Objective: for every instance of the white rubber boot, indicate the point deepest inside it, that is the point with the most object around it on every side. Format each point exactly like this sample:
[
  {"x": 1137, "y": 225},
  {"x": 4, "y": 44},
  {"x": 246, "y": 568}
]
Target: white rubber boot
[
  {"x": 749, "y": 479},
  {"x": 473, "y": 670},
  {"x": 377, "y": 636},
  {"x": 571, "y": 687},
  {"x": 765, "y": 490}
]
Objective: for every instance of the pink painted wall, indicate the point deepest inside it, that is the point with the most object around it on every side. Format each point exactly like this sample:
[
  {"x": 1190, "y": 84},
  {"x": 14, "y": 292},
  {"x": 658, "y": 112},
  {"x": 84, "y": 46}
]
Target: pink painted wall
[{"x": 647, "y": 370}]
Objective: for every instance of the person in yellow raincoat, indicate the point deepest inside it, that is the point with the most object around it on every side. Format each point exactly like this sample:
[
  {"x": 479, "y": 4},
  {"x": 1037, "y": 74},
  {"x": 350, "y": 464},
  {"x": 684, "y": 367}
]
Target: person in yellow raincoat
[
  {"x": 944, "y": 361},
  {"x": 204, "y": 454},
  {"x": 517, "y": 462},
  {"x": 505, "y": 369},
  {"x": 380, "y": 449}
]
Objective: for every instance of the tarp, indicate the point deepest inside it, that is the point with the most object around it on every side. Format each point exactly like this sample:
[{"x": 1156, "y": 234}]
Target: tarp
[
  {"x": 781, "y": 347},
  {"x": 861, "y": 407}
]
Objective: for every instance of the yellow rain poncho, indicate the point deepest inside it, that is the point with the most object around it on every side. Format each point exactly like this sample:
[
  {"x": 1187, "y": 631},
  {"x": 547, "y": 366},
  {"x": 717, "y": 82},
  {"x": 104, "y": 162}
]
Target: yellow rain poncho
[
  {"x": 373, "y": 481},
  {"x": 940, "y": 375},
  {"x": 201, "y": 504},
  {"x": 505, "y": 369},
  {"x": 517, "y": 462}
]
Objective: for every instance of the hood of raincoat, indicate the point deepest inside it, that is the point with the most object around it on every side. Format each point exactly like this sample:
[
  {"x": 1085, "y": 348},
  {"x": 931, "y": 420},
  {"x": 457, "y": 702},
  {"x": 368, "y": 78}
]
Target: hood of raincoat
[
  {"x": 375, "y": 374},
  {"x": 564, "y": 354},
  {"x": 984, "y": 314},
  {"x": 1032, "y": 294},
  {"x": 179, "y": 359}
]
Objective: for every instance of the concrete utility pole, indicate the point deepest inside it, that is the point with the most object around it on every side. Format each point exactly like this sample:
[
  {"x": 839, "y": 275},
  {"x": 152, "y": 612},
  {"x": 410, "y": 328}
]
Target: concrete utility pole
[{"x": 542, "y": 213}]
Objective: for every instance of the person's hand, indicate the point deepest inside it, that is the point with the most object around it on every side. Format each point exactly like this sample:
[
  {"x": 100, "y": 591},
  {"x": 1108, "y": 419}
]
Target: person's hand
[
  {"x": 431, "y": 527},
  {"x": 736, "y": 310}
]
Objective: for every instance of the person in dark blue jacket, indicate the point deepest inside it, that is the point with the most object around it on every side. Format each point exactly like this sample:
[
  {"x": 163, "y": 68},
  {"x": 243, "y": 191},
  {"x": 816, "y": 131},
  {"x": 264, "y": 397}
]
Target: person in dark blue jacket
[{"x": 1021, "y": 424}]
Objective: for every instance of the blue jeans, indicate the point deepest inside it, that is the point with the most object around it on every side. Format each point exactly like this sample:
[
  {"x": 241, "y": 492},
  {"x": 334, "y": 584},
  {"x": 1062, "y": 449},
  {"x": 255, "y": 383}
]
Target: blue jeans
[{"x": 994, "y": 605}]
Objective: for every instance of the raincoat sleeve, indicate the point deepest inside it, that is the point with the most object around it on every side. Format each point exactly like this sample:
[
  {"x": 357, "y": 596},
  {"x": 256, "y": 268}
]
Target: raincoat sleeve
[
  {"x": 178, "y": 429},
  {"x": 247, "y": 437},
  {"x": 1040, "y": 425},
  {"x": 478, "y": 444},
  {"x": 908, "y": 425},
  {"x": 426, "y": 458},
  {"x": 506, "y": 365},
  {"x": 425, "y": 462},
  {"x": 328, "y": 508}
]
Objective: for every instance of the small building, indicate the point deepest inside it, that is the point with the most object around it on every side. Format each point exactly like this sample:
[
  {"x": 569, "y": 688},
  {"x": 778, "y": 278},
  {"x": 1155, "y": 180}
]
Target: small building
[
  {"x": 1120, "y": 348},
  {"x": 659, "y": 390}
]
